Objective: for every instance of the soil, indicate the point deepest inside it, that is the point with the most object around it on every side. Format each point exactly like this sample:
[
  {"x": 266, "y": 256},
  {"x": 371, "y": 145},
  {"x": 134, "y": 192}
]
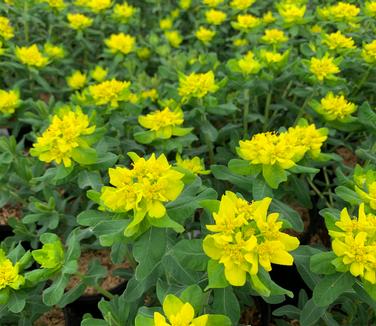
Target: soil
[
  {"x": 109, "y": 282},
  {"x": 54, "y": 317},
  {"x": 9, "y": 211},
  {"x": 349, "y": 158}
]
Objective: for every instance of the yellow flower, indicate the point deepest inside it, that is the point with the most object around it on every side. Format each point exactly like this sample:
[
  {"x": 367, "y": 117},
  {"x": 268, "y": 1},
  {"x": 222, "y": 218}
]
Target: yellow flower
[
  {"x": 291, "y": 13},
  {"x": 197, "y": 85},
  {"x": 164, "y": 123},
  {"x": 9, "y": 101},
  {"x": 340, "y": 12},
  {"x": 9, "y": 273},
  {"x": 56, "y": 4},
  {"x": 248, "y": 64},
  {"x": 273, "y": 58},
  {"x": 121, "y": 42},
  {"x": 174, "y": 38},
  {"x": 6, "y": 30},
  {"x": 246, "y": 22},
  {"x": 123, "y": 12},
  {"x": 268, "y": 18},
  {"x": 239, "y": 42},
  {"x": 144, "y": 189},
  {"x": 178, "y": 313},
  {"x": 369, "y": 52},
  {"x": 215, "y": 17},
  {"x": 274, "y": 36},
  {"x": 241, "y": 4},
  {"x": 324, "y": 68},
  {"x": 370, "y": 8},
  {"x": 185, "y": 4},
  {"x": 60, "y": 141},
  {"x": 335, "y": 107},
  {"x": 109, "y": 92},
  {"x": 31, "y": 56},
  {"x": 212, "y": 3},
  {"x": 205, "y": 35},
  {"x": 316, "y": 29},
  {"x": 365, "y": 187},
  {"x": 99, "y": 73},
  {"x": 246, "y": 237},
  {"x": 77, "y": 80},
  {"x": 195, "y": 165},
  {"x": 143, "y": 53},
  {"x": 79, "y": 21},
  {"x": 151, "y": 93},
  {"x": 97, "y": 6},
  {"x": 337, "y": 41},
  {"x": 54, "y": 51},
  {"x": 166, "y": 23}
]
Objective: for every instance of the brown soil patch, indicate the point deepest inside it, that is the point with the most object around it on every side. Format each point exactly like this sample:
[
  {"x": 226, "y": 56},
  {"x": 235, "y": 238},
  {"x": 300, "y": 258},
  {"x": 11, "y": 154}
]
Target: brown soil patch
[
  {"x": 109, "y": 282},
  {"x": 349, "y": 158},
  {"x": 9, "y": 211},
  {"x": 54, "y": 317}
]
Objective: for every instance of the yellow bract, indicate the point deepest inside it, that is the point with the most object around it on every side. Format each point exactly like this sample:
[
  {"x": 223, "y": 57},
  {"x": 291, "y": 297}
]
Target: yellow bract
[
  {"x": 62, "y": 136},
  {"x": 334, "y": 107},
  {"x": 31, "y": 56},
  {"x": 9, "y": 101},
  {"x": 246, "y": 22},
  {"x": 123, "y": 11},
  {"x": 212, "y": 3},
  {"x": 6, "y": 30},
  {"x": 109, "y": 92},
  {"x": 369, "y": 52},
  {"x": 143, "y": 189},
  {"x": 195, "y": 165},
  {"x": 99, "y": 73},
  {"x": 97, "y": 6},
  {"x": 9, "y": 273},
  {"x": 354, "y": 242},
  {"x": 215, "y": 17},
  {"x": 79, "y": 21},
  {"x": 337, "y": 41},
  {"x": 56, "y": 4},
  {"x": 241, "y": 4},
  {"x": 77, "y": 80},
  {"x": 246, "y": 237},
  {"x": 197, "y": 85},
  {"x": 324, "y": 68},
  {"x": 370, "y": 8},
  {"x": 174, "y": 38},
  {"x": 121, "y": 42},
  {"x": 341, "y": 11},
  {"x": 291, "y": 13},
  {"x": 205, "y": 35},
  {"x": 274, "y": 36},
  {"x": 249, "y": 65},
  {"x": 54, "y": 51}
]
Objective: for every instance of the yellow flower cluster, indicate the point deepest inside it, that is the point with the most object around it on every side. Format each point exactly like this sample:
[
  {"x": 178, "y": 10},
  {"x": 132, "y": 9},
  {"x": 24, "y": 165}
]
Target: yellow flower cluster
[
  {"x": 291, "y": 13},
  {"x": 370, "y": 8},
  {"x": 143, "y": 189},
  {"x": 365, "y": 186},
  {"x": 212, "y": 3},
  {"x": 335, "y": 107},
  {"x": 77, "y": 80},
  {"x": 9, "y": 273},
  {"x": 284, "y": 149},
  {"x": 340, "y": 12},
  {"x": 246, "y": 22},
  {"x": 109, "y": 92},
  {"x": 369, "y": 52},
  {"x": 97, "y": 6},
  {"x": 354, "y": 242},
  {"x": 274, "y": 36},
  {"x": 6, "y": 30},
  {"x": 248, "y": 64},
  {"x": 195, "y": 165},
  {"x": 99, "y": 73},
  {"x": 174, "y": 38},
  {"x": 79, "y": 21},
  {"x": 31, "y": 56},
  {"x": 63, "y": 135},
  {"x": 241, "y": 4},
  {"x": 204, "y": 34},
  {"x": 337, "y": 41},
  {"x": 54, "y": 51},
  {"x": 123, "y": 12},
  {"x": 197, "y": 85},
  {"x": 121, "y": 43},
  {"x": 324, "y": 68},
  {"x": 246, "y": 237},
  {"x": 215, "y": 17},
  {"x": 9, "y": 101},
  {"x": 55, "y": 4},
  {"x": 273, "y": 58},
  {"x": 164, "y": 123}
]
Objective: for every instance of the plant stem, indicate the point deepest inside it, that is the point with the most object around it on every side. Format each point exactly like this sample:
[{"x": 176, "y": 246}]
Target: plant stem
[
  {"x": 328, "y": 186},
  {"x": 97, "y": 287},
  {"x": 245, "y": 113},
  {"x": 317, "y": 191},
  {"x": 208, "y": 142},
  {"x": 130, "y": 258},
  {"x": 267, "y": 109},
  {"x": 363, "y": 80},
  {"x": 26, "y": 20}
]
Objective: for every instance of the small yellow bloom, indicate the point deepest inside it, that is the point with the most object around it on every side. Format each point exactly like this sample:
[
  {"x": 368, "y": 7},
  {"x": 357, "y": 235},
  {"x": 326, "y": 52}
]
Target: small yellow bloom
[
  {"x": 109, "y": 92},
  {"x": 239, "y": 42},
  {"x": 9, "y": 273},
  {"x": 316, "y": 29},
  {"x": 77, "y": 80},
  {"x": 249, "y": 65},
  {"x": 55, "y": 4},
  {"x": 31, "y": 56},
  {"x": 123, "y": 12},
  {"x": 370, "y": 8},
  {"x": 212, "y": 3},
  {"x": 274, "y": 36},
  {"x": 54, "y": 51},
  {"x": 241, "y": 4},
  {"x": 97, "y": 6},
  {"x": 9, "y": 101},
  {"x": 246, "y": 22},
  {"x": 99, "y": 73},
  {"x": 197, "y": 85},
  {"x": 335, "y": 107},
  {"x": 339, "y": 12},
  {"x": 274, "y": 59},
  {"x": 151, "y": 93},
  {"x": 6, "y": 30},
  {"x": 144, "y": 53},
  {"x": 324, "y": 68},
  {"x": 337, "y": 41},
  {"x": 79, "y": 21},
  {"x": 195, "y": 165},
  {"x": 268, "y": 18},
  {"x": 166, "y": 23},
  {"x": 174, "y": 38},
  {"x": 369, "y": 52},
  {"x": 205, "y": 35},
  {"x": 121, "y": 42},
  {"x": 291, "y": 13},
  {"x": 63, "y": 136},
  {"x": 185, "y": 4},
  {"x": 215, "y": 17}
]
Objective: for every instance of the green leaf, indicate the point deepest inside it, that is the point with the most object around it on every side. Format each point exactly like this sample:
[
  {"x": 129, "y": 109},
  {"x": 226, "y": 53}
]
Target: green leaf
[
  {"x": 166, "y": 222},
  {"x": 216, "y": 320},
  {"x": 288, "y": 214},
  {"x": 311, "y": 313},
  {"x": 226, "y": 303},
  {"x": 91, "y": 179},
  {"x": 53, "y": 294},
  {"x": 190, "y": 254},
  {"x": 289, "y": 311},
  {"x": 91, "y": 217},
  {"x": 367, "y": 116},
  {"x": 259, "y": 286},
  {"x": 142, "y": 321},
  {"x": 84, "y": 156},
  {"x": 331, "y": 287},
  {"x": 144, "y": 137},
  {"x": 216, "y": 275},
  {"x": 16, "y": 302},
  {"x": 299, "y": 169},
  {"x": 321, "y": 263},
  {"x": 348, "y": 195},
  {"x": 241, "y": 167},
  {"x": 260, "y": 189},
  {"x": 148, "y": 251},
  {"x": 194, "y": 295},
  {"x": 274, "y": 175},
  {"x": 223, "y": 173}
]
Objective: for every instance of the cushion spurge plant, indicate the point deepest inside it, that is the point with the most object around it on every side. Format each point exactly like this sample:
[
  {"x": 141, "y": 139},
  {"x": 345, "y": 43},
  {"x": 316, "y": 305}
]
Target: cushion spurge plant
[{"x": 188, "y": 162}]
